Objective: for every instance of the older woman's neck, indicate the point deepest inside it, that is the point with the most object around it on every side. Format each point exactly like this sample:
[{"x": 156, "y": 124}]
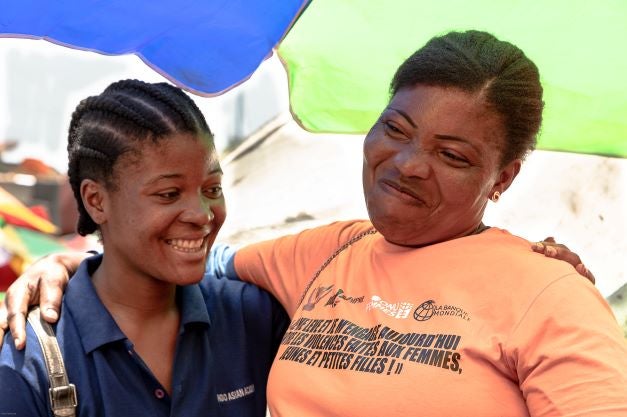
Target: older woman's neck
[{"x": 475, "y": 230}]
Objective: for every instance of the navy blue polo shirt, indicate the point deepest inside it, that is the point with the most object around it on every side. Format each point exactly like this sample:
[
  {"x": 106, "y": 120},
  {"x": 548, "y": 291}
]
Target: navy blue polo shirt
[{"x": 228, "y": 336}]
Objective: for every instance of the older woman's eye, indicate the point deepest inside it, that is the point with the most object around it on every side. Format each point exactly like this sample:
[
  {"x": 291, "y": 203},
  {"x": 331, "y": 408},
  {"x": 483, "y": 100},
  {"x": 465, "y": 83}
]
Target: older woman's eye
[
  {"x": 454, "y": 157},
  {"x": 390, "y": 126},
  {"x": 391, "y": 129}
]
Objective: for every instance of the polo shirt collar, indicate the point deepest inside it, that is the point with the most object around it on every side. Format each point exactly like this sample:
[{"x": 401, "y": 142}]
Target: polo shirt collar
[
  {"x": 192, "y": 304},
  {"x": 95, "y": 324}
]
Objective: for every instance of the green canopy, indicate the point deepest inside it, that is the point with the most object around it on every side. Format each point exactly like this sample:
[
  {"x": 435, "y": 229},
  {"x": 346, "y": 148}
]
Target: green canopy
[{"x": 341, "y": 55}]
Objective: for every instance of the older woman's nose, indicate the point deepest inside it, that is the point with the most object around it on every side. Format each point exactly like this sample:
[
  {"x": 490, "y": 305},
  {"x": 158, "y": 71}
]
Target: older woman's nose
[{"x": 413, "y": 163}]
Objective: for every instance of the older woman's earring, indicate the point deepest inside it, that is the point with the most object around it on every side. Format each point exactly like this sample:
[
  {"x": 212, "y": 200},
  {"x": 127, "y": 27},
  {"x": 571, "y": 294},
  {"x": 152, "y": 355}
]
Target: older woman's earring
[{"x": 495, "y": 197}]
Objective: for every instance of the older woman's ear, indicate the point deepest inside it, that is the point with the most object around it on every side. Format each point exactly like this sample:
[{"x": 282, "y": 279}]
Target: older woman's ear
[{"x": 506, "y": 176}]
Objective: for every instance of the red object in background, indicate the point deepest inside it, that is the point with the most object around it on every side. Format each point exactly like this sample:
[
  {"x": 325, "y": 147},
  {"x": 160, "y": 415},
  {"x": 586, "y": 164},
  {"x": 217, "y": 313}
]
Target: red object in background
[
  {"x": 7, "y": 276},
  {"x": 40, "y": 211},
  {"x": 36, "y": 167}
]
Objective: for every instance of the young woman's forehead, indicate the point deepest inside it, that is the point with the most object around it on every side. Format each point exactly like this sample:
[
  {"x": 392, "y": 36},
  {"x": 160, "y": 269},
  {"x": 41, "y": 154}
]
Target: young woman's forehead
[
  {"x": 180, "y": 141},
  {"x": 180, "y": 153}
]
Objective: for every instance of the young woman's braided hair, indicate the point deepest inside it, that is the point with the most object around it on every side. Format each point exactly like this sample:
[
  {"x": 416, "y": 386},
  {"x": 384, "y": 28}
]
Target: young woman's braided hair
[{"x": 104, "y": 127}]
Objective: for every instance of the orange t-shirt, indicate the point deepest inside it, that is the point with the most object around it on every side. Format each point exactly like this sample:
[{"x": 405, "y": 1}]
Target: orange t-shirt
[{"x": 476, "y": 326}]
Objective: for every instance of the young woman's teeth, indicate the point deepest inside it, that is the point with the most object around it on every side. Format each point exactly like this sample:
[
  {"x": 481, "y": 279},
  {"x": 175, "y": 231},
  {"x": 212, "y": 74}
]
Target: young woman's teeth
[{"x": 185, "y": 245}]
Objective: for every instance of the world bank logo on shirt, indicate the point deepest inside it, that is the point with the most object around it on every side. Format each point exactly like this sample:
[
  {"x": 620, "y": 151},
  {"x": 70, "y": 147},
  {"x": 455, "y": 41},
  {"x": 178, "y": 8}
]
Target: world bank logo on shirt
[
  {"x": 429, "y": 308},
  {"x": 424, "y": 311}
]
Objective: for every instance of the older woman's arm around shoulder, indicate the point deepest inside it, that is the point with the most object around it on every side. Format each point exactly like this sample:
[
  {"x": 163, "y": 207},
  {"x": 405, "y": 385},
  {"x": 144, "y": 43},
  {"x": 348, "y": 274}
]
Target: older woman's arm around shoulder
[{"x": 570, "y": 354}]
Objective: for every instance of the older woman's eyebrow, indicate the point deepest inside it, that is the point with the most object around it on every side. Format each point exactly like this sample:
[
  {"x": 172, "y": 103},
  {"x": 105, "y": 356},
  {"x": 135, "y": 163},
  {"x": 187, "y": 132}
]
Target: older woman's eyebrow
[
  {"x": 457, "y": 139},
  {"x": 405, "y": 116}
]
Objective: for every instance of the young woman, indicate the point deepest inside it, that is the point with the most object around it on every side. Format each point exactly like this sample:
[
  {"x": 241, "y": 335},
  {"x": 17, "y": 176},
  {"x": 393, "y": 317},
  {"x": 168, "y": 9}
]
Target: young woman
[{"x": 138, "y": 334}]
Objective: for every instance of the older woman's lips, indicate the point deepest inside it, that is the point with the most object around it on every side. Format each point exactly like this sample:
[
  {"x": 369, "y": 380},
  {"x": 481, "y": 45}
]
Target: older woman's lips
[{"x": 402, "y": 193}]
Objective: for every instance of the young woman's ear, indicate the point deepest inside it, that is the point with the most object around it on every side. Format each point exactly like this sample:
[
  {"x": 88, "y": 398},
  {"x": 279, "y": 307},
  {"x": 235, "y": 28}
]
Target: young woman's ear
[{"x": 94, "y": 197}]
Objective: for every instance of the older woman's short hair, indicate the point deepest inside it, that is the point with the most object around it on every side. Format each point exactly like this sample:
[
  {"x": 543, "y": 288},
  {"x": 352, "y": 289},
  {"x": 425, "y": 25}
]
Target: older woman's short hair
[{"x": 476, "y": 61}]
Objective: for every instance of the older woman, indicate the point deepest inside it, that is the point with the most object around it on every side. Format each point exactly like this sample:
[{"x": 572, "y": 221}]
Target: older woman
[{"x": 422, "y": 309}]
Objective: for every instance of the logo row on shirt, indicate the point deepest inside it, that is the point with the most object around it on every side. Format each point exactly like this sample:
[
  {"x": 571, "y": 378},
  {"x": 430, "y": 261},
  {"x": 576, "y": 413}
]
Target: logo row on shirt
[{"x": 328, "y": 296}]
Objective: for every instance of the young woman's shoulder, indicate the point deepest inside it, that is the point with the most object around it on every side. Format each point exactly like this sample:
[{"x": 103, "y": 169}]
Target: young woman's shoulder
[{"x": 23, "y": 378}]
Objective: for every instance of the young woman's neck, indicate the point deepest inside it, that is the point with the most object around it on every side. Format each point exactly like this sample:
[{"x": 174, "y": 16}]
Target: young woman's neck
[
  {"x": 145, "y": 310},
  {"x": 125, "y": 293}
]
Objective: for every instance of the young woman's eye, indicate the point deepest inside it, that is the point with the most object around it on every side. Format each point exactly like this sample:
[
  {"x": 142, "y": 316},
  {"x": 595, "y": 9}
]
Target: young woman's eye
[
  {"x": 213, "y": 192},
  {"x": 168, "y": 195}
]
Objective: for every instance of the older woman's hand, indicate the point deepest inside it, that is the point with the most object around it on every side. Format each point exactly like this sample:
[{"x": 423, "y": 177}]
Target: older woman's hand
[
  {"x": 548, "y": 247},
  {"x": 42, "y": 283}
]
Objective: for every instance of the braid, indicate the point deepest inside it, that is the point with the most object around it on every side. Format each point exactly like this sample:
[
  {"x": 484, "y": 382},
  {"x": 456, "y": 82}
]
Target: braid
[
  {"x": 159, "y": 95},
  {"x": 80, "y": 110},
  {"x": 169, "y": 99},
  {"x": 188, "y": 120},
  {"x": 173, "y": 97},
  {"x": 107, "y": 126},
  {"x": 123, "y": 108},
  {"x": 87, "y": 152}
]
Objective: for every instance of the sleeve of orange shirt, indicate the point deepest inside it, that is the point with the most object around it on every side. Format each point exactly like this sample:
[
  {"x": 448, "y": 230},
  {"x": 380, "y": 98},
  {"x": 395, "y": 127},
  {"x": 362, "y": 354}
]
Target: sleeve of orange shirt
[
  {"x": 569, "y": 354},
  {"x": 284, "y": 266}
]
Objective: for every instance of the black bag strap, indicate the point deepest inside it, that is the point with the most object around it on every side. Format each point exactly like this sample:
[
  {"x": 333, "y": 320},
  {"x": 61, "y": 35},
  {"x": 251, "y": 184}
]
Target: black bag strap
[
  {"x": 62, "y": 394},
  {"x": 332, "y": 257}
]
